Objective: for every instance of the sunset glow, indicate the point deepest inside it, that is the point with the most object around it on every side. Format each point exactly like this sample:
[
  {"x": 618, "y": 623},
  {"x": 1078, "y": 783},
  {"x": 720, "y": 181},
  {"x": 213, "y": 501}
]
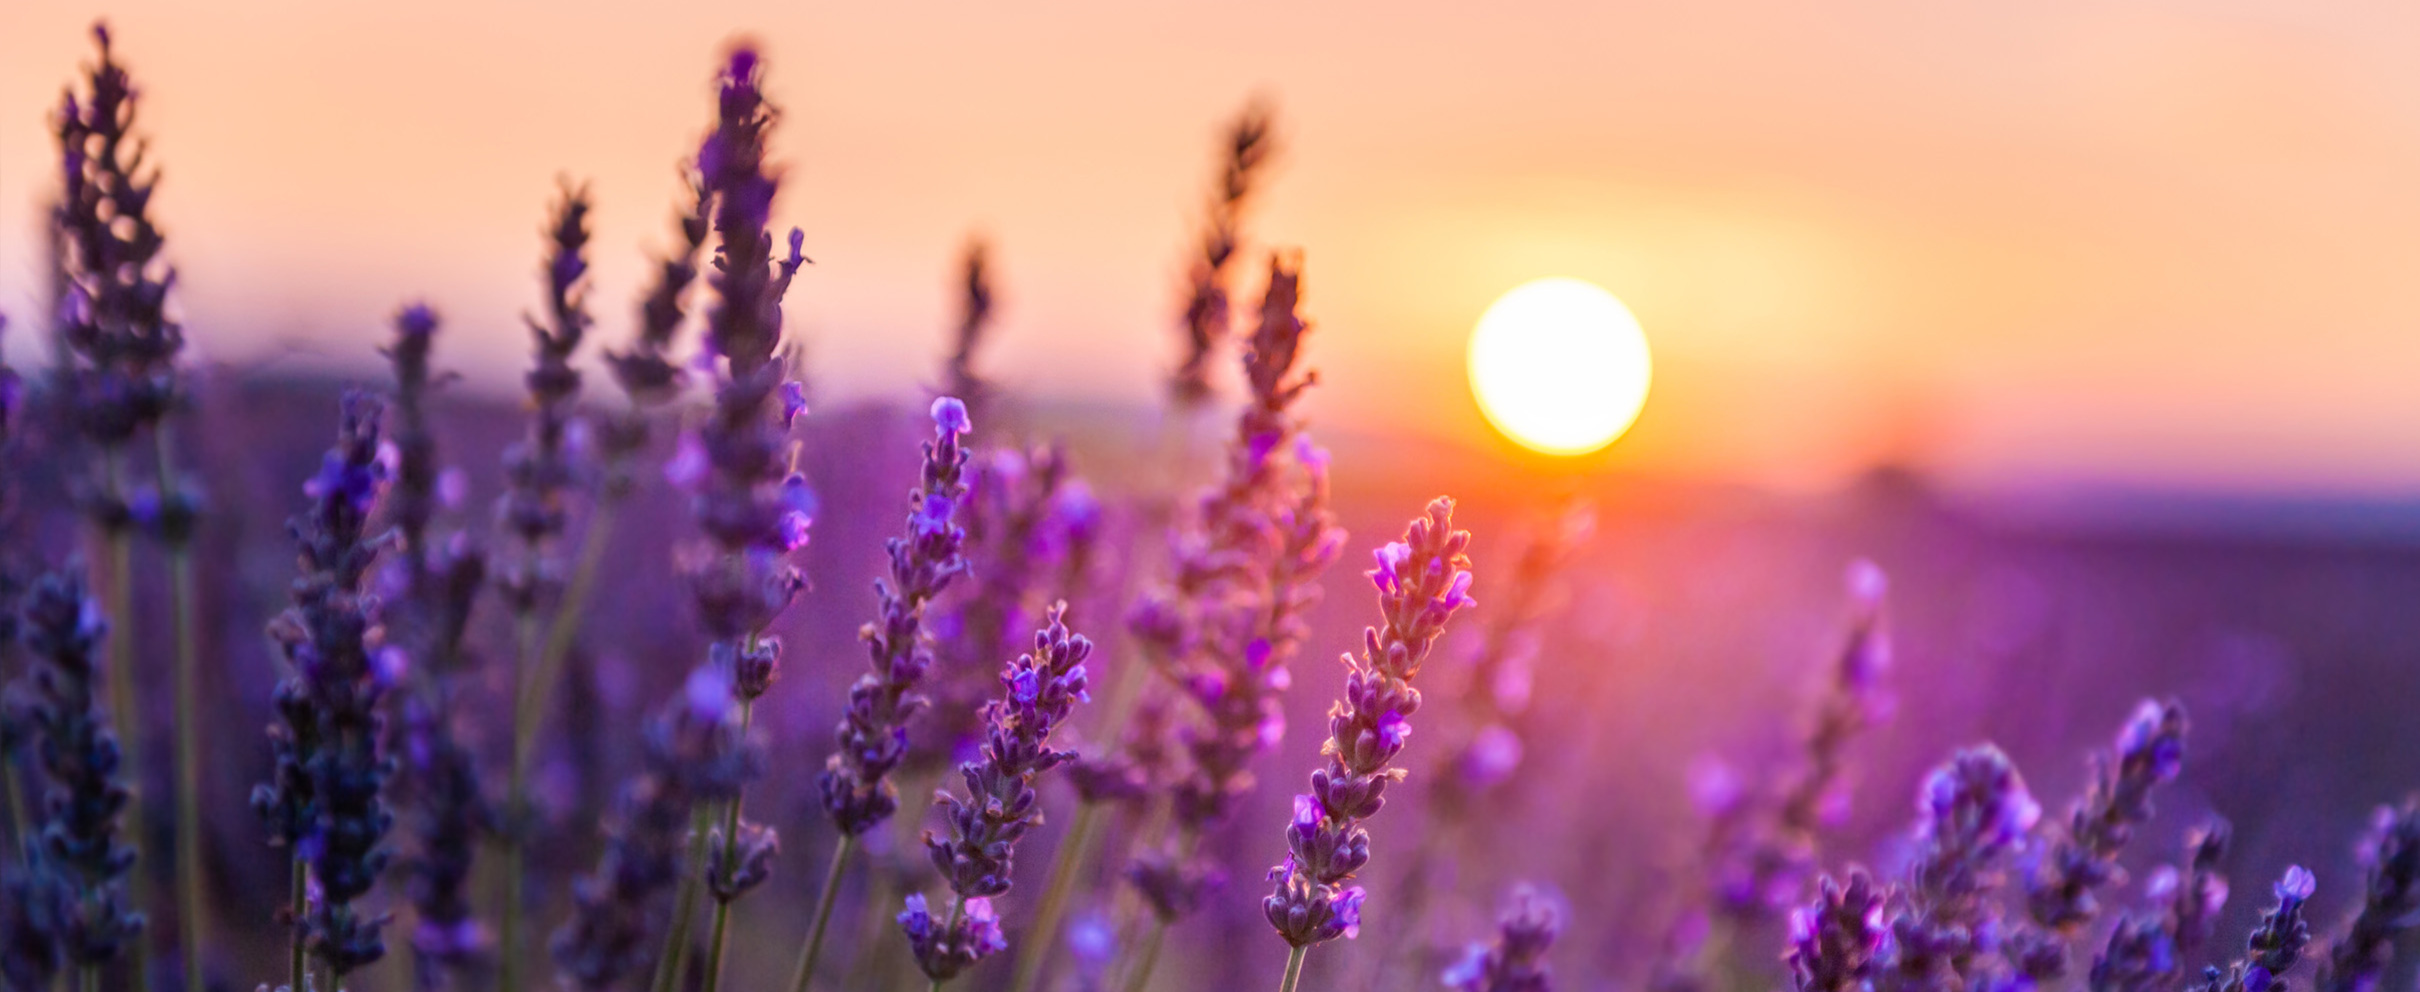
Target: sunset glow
[{"x": 1560, "y": 366}]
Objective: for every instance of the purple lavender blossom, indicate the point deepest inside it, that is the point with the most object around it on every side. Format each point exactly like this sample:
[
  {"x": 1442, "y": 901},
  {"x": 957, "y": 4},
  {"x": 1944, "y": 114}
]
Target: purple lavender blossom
[
  {"x": 1517, "y": 960},
  {"x": 1011, "y": 503},
  {"x": 1246, "y": 571},
  {"x": 113, "y": 323},
  {"x": 1246, "y": 153},
  {"x": 872, "y": 734},
  {"x": 541, "y": 469},
  {"x": 2145, "y": 950},
  {"x": 2276, "y": 943},
  {"x": 1835, "y": 940},
  {"x": 1422, "y": 581},
  {"x": 326, "y": 798},
  {"x": 79, "y": 841},
  {"x": 1973, "y": 815},
  {"x": 446, "y": 810},
  {"x": 2059, "y": 882},
  {"x": 977, "y": 855},
  {"x": 2390, "y": 902}
]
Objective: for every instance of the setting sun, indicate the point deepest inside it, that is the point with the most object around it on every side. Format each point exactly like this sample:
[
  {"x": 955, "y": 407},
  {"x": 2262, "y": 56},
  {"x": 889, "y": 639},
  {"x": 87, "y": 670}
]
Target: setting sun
[{"x": 1560, "y": 366}]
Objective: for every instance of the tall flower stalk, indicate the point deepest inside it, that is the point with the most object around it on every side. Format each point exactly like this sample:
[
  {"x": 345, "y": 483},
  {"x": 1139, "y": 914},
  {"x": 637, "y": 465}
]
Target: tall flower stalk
[
  {"x": 976, "y": 857},
  {"x": 540, "y": 472},
  {"x": 1973, "y": 816},
  {"x": 1422, "y": 580},
  {"x": 2276, "y": 944},
  {"x": 1227, "y": 627},
  {"x": 436, "y": 588},
  {"x": 326, "y": 800},
  {"x": 873, "y": 732},
  {"x": 753, "y": 512},
  {"x": 119, "y": 378},
  {"x": 2145, "y": 950},
  {"x": 2062, "y": 875},
  {"x": 1249, "y": 145},
  {"x": 80, "y": 841}
]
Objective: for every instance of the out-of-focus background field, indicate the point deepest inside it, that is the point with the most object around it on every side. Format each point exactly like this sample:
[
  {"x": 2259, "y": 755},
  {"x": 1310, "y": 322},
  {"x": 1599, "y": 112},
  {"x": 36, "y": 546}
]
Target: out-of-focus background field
[{"x": 2092, "y": 324}]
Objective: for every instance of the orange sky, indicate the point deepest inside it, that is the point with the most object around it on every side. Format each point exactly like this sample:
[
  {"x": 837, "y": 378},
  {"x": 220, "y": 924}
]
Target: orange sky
[{"x": 2168, "y": 242}]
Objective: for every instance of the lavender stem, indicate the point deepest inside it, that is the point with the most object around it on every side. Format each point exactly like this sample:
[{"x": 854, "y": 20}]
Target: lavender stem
[
  {"x": 823, "y": 912},
  {"x": 297, "y": 904},
  {"x": 1075, "y": 851},
  {"x": 192, "y": 908},
  {"x": 1294, "y": 968},
  {"x": 684, "y": 907},
  {"x": 730, "y": 861}
]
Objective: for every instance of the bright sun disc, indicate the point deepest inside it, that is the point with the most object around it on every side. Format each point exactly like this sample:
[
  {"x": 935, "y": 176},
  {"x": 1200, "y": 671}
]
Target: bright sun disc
[{"x": 1560, "y": 366}]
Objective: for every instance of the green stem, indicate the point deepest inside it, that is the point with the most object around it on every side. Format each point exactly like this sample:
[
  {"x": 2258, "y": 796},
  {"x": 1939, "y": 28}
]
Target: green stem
[
  {"x": 299, "y": 905},
  {"x": 516, "y": 807},
  {"x": 16, "y": 798},
  {"x": 1141, "y": 978},
  {"x": 684, "y": 907},
  {"x": 1033, "y": 955},
  {"x": 730, "y": 863},
  {"x": 1294, "y": 969},
  {"x": 529, "y": 708},
  {"x": 193, "y": 908},
  {"x": 823, "y": 912},
  {"x": 88, "y": 978},
  {"x": 122, "y": 709}
]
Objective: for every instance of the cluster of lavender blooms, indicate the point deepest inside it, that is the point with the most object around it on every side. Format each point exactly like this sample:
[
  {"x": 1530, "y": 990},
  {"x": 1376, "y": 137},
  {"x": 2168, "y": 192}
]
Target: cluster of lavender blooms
[
  {"x": 380, "y": 632},
  {"x": 977, "y": 855},
  {"x": 1516, "y": 962},
  {"x": 1422, "y": 581},
  {"x": 70, "y": 892},
  {"x": 1246, "y": 572},
  {"x": 325, "y": 799},
  {"x": 873, "y": 735},
  {"x": 1025, "y": 511}
]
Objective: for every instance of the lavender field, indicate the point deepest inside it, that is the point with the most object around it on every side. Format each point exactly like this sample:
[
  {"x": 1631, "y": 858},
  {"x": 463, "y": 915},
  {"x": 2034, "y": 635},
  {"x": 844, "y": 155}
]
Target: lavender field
[{"x": 666, "y": 673}]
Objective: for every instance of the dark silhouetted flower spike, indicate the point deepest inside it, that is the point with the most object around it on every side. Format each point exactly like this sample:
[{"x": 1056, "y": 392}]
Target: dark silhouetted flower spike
[
  {"x": 2390, "y": 901},
  {"x": 78, "y": 841},
  {"x": 873, "y": 730},
  {"x": 1517, "y": 960},
  {"x": 646, "y": 370},
  {"x": 1422, "y": 581},
  {"x": 118, "y": 341},
  {"x": 2059, "y": 883},
  {"x": 977, "y": 855},
  {"x": 33, "y": 911},
  {"x": 1834, "y": 940},
  {"x": 542, "y": 468},
  {"x": 1244, "y": 156},
  {"x": 959, "y": 377},
  {"x": 444, "y": 809},
  {"x": 694, "y": 754},
  {"x": 327, "y": 798},
  {"x": 2276, "y": 943}
]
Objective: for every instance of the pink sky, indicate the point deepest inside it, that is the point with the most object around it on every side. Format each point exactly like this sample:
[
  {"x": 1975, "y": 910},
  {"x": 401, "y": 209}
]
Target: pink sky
[{"x": 2159, "y": 241}]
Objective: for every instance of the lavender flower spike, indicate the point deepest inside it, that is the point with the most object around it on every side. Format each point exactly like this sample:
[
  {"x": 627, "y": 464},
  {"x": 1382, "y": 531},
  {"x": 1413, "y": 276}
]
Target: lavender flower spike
[
  {"x": 326, "y": 798},
  {"x": 2276, "y": 943},
  {"x": 977, "y": 856},
  {"x": 1834, "y": 940},
  {"x": 1517, "y": 962},
  {"x": 2390, "y": 902},
  {"x": 873, "y": 731},
  {"x": 2144, "y": 949},
  {"x": 79, "y": 843},
  {"x": 2150, "y": 751},
  {"x": 1422, "y": 581},
  {"x": 1973, "y": 817}
]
